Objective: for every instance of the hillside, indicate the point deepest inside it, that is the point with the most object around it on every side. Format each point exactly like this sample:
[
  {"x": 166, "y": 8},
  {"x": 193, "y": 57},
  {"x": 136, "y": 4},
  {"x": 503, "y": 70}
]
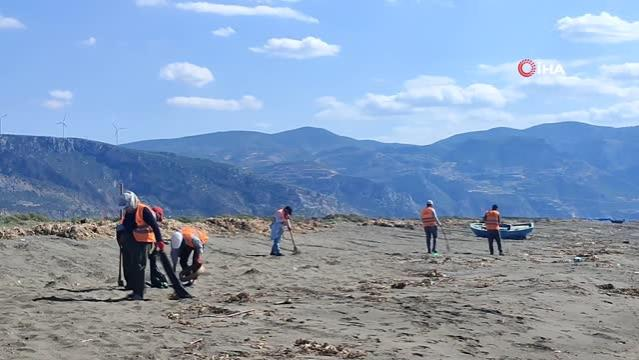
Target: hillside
[
  {"x": 551, "y": 170},
  {"x": 75, "y": 177}
]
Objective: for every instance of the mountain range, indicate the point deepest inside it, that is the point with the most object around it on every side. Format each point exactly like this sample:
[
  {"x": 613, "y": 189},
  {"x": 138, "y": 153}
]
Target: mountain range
[
  {"x": 553, "y": 170},
  {"x": 65, "y": 178}
]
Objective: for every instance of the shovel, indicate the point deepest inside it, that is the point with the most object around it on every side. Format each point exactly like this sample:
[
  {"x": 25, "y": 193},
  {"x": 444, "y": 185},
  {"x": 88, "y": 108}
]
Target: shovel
[
  {"x": 295, "y": 249},
  {"x": 120, "y": 281}
]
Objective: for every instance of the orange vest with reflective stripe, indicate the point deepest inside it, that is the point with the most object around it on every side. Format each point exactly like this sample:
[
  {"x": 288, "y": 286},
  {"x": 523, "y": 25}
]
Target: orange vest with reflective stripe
[
  {"x": 428, "y": 216},
  {"x": 143, "y": 232},
  {"x": 492, "y": 220},
  {"x": 187, "y": 235}
]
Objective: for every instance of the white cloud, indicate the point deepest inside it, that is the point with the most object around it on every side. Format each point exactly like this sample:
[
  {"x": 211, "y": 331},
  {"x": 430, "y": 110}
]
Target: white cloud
[
  {"x": 419, "y": 95},
  {"x": 64, "y": 95},
  {"x": 626, "y": 69},
  {"x": 577, "y": 82},
  {"x": 619, "y": 114},
  {"x": 91, "y": 41},
  {"x": 427, "y": 89},
  {"x": 59, "y": 99},
  {"x": 437, "y": 123},
  {"x": 309, "y": 47},
  {"x": 603, "y": 28},
  {"x": 187, "y": 73},
  {"x": 54, "y": 104},
  {"x": 10, "y": 23},
  {"x": 270, "y": 2},
  {"x": 245, "y": 103},
  {"x": 333, "y": 109},
  {"x": 149, "y": 3},
  {"x": 224, "y": 32},
  {"x": 239, "y": 10}
]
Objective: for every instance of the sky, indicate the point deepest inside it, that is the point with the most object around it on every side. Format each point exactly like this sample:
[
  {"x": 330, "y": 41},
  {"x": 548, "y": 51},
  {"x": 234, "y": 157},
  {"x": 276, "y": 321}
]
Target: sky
[{"x": 410, "y": 71}]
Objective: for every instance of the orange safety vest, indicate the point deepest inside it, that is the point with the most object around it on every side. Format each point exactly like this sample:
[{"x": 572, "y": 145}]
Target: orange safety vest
[
  {"x": 428, "y": 216},
  {"x": 493, "y": 219},
  {"x": 143, "y": 232},
  {"x": 187, "y": 235}
]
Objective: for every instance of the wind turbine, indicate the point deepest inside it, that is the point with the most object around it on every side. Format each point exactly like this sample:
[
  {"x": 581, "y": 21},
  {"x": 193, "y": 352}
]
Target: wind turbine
[
  {"x": 63, "y": 123},
  {"x": 2, "y": 117},
  {"x": 117, "y": 133}
]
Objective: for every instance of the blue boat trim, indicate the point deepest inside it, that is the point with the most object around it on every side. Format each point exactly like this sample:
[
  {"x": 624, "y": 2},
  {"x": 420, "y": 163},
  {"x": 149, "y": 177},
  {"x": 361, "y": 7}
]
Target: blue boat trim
[{"x": 512, "y": 232}]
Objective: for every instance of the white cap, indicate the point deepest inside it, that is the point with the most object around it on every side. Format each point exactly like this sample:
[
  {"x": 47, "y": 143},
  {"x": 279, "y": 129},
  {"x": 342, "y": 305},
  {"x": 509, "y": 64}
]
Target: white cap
[
  {"x": 429, "y": 202},
  {"x": 176, "y": 240}
]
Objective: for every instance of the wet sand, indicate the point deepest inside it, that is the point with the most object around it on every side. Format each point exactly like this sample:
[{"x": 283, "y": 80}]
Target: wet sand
[{"x": 355, "y": 291}]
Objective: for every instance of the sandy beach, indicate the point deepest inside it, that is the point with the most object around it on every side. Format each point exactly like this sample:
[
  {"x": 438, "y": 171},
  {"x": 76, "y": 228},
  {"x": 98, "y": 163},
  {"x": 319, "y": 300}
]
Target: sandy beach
[{"x": 355, "y": 291}]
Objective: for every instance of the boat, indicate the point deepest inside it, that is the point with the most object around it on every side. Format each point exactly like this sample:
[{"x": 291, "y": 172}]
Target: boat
[
  {"x": 507, "y": 231},
  {"x": 614, "y": 221}
]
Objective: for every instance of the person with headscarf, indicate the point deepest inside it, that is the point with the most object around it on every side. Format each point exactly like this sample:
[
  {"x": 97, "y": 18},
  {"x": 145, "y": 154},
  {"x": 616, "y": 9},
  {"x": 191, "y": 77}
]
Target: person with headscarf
[{"x": 140, "y": 224}]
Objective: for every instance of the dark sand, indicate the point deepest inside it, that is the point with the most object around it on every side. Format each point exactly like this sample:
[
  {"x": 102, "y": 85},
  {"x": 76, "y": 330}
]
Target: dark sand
[{"x": 365, "y": 291}]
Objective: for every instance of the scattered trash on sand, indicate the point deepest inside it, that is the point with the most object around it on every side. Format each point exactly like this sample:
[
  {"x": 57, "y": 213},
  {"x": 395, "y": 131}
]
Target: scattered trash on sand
[
  {"x": 611, "y": 289},
  {"x": 325, "y": 349},
  {"x": 241, "y": 297},
  {"x": 86, "y": 229}
]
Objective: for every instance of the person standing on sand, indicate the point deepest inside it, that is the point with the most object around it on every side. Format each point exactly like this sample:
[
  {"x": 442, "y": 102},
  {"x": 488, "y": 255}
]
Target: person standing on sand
[
  {"x": 183, "y": 243},
  {"x": 492, "y": 220},
  {"x": 138, "y": 221},
  {"x": 430, "y": 221},
  {"x": 281, "y": 218}
]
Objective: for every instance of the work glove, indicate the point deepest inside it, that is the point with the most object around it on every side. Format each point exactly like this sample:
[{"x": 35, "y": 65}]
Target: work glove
[{"x": 159, "y": 245}]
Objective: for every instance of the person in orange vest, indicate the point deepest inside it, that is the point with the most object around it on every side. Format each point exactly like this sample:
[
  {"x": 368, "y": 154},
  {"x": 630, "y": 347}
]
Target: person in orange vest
[
  {"x": 281, "y": 218},
  {"x": 430, "y": 222},
  {"x": 183, "y": 243},
  {"x": 492, "y": 220},
  {"x": 140, "y": 223}
]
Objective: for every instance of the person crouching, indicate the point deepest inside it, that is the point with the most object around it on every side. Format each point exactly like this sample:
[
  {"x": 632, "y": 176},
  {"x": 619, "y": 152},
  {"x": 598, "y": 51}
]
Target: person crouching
[{"x": 183, "y": 243}]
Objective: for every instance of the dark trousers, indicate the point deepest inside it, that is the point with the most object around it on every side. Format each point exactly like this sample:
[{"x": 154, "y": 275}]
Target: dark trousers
[
  {"x": 136, "y": 255},
  {"x": 494, "y": 235},
  {"x": 122, "y": 238},
  {"x": 185, "y": 253},
  {"x": 431, "y": 233}
]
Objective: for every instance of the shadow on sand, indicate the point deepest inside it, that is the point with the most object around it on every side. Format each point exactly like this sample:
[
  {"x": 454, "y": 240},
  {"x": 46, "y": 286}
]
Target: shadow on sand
[
  {"x": 110, "y": 288},
  {"x": 63, "y": 299}
]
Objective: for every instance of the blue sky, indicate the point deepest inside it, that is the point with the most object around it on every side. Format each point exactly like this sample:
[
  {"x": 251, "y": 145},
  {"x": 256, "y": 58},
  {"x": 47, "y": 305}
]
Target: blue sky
[{"x": 412, "y": 71}]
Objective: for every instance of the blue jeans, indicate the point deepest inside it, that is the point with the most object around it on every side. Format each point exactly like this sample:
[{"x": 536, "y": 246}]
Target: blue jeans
[{"x": 277, "y": 230}]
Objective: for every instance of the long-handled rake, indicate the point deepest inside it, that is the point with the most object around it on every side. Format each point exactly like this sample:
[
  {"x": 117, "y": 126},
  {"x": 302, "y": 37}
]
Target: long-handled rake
[{"x": 295, "y": 249}]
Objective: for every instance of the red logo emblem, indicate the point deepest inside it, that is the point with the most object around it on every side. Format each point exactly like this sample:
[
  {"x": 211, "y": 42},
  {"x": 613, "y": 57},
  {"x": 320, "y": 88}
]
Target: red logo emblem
[{"x": 526, "y": 71}]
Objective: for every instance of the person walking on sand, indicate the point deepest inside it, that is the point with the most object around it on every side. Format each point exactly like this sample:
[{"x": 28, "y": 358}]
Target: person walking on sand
[
  {"x": 430, "y": 221},
  {"x": 281, "y": 218},
  {"x": 492, "y": 220},
  {"x": 183, "y": 243},
  {"x": 138, "y": 221}
]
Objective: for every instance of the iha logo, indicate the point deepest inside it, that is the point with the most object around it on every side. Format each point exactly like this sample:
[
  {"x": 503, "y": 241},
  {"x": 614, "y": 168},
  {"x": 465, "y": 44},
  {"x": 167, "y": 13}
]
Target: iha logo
[{"x": 528, "y": 68}]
